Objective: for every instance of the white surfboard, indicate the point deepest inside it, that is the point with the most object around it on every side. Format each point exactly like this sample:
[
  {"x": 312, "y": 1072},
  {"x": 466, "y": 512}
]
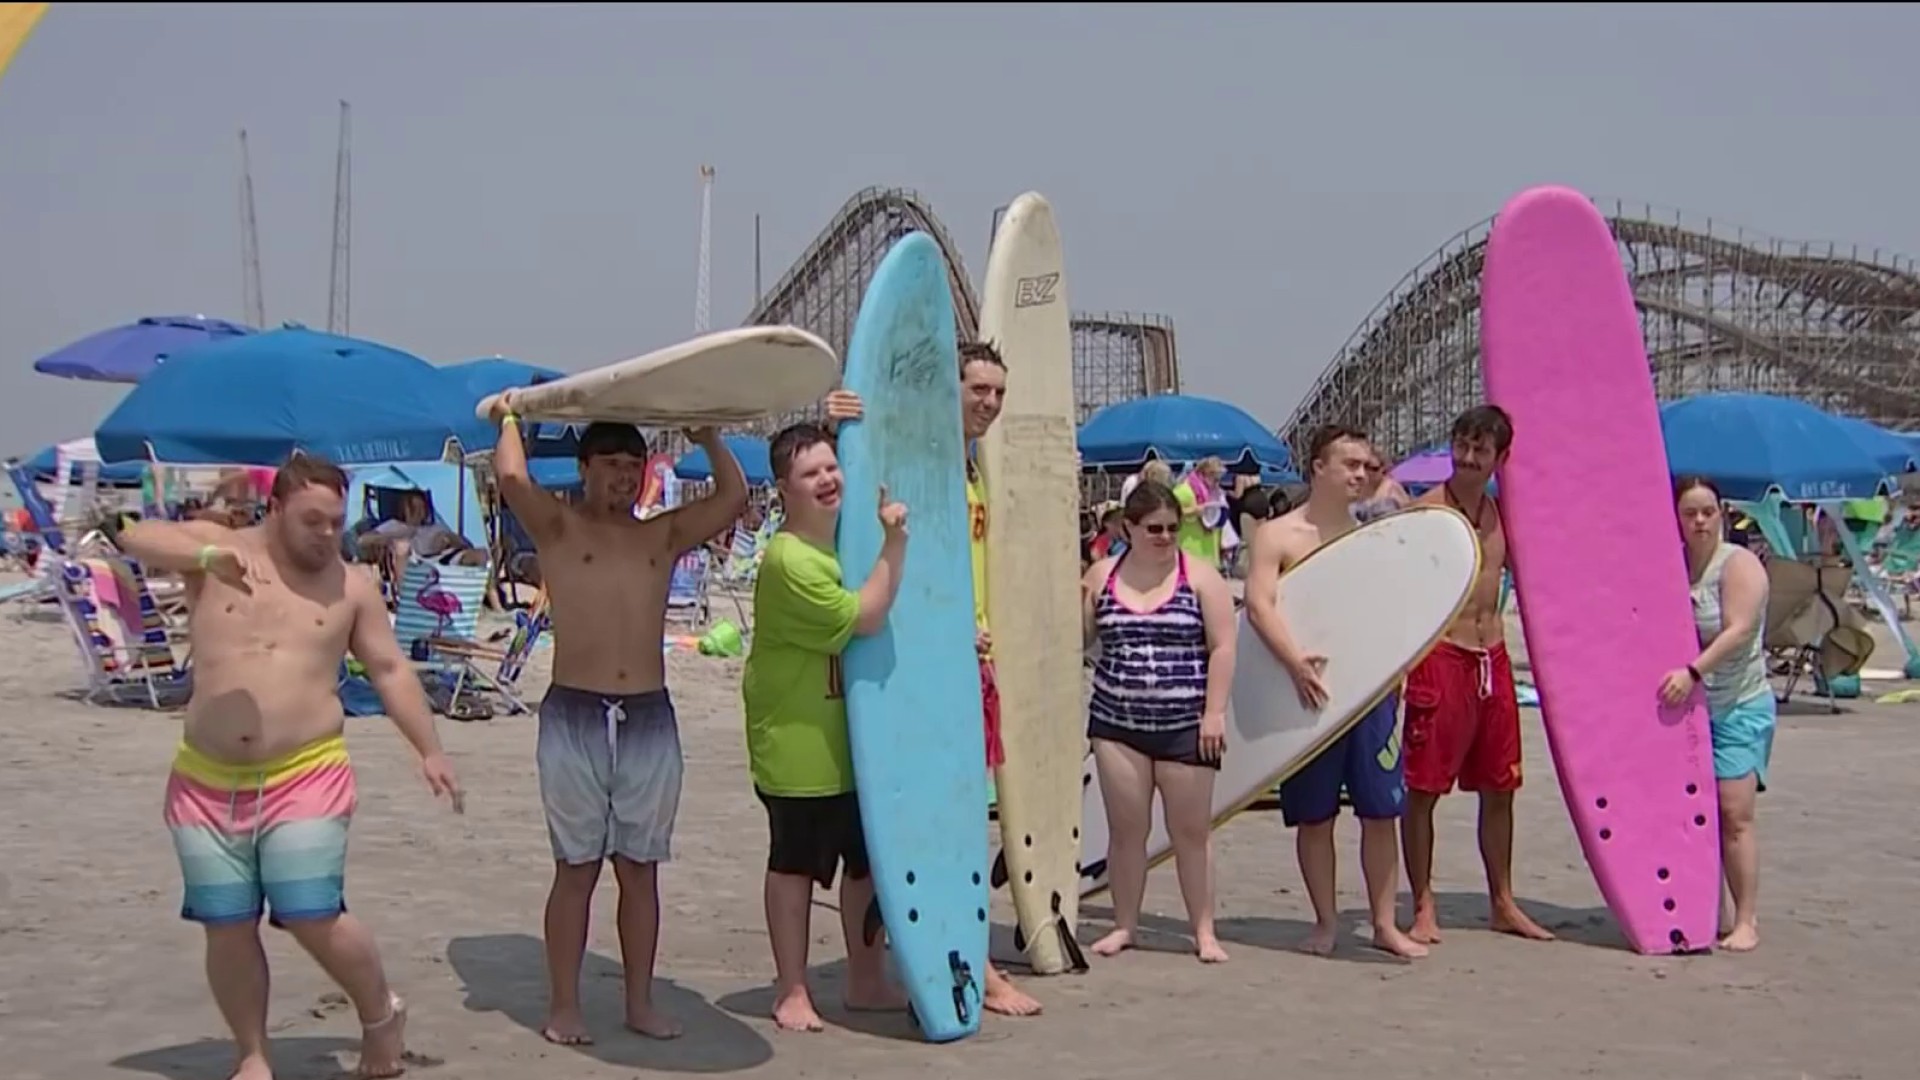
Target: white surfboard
[
  {"x": 1373, "y": 602},
  {"x": 723, "y": 379},
  {"x": 1033, "y": 596}
]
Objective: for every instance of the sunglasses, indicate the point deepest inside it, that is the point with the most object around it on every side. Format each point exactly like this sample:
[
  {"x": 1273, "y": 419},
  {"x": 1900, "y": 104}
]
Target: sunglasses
[{"x": 1156, "y": 529}]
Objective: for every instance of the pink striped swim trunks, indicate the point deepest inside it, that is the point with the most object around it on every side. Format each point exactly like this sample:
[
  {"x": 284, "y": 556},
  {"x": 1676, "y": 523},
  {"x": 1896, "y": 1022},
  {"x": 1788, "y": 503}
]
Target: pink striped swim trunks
[{"x": 271, "y": 834}]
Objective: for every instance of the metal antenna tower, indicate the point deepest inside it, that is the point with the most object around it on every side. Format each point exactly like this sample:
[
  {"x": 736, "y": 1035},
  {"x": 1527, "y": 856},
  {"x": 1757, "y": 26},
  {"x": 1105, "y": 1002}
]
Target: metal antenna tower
[
  {"x": 253, "y": 301},
  {"x": 341, "y": 280},
  {"x": 701, "y": 295}
]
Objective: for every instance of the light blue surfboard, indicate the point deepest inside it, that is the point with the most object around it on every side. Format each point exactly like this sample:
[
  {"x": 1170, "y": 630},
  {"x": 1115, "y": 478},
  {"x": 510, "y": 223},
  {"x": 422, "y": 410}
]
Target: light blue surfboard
[{"x": 913, "y": 689}]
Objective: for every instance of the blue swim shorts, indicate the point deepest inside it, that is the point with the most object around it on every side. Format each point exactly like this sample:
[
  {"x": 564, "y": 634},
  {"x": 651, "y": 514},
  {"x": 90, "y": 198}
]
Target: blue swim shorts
[
  {"x": 1743, "y": 739},
  {"x": 1366, "y": 761}
]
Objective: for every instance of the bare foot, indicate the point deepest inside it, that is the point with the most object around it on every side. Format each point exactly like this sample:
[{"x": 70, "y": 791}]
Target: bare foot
[
  {"x": 1742, "y": 939},
  {"x": 1114, "y": 943},
  {"x": 1389, "y": 939},
  {"x": 651, "y": 1022},
  {"x": 884, "y": 998},
  {"x": 566, "y": 1028},
  {"x": 1005, "y": 998},
  {"x": 1426, "y": 923},
  {"x": 1509, "y": 919},
  {"x": 1208, "y": 947},
  {"x": 383, "y": 1043},
  {"x": 794, "y": 1011},
  {"x": 1320, "y": 941},
  {"x": 254, "y": 1067}
]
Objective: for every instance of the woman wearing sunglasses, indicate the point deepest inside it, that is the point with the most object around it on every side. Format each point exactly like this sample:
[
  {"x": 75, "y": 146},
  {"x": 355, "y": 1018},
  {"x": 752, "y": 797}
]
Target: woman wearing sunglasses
[{"x": 1158, "y": 718}]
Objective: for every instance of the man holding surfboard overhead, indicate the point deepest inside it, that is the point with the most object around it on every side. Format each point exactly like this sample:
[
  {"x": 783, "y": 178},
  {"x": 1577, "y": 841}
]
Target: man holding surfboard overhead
[
  {"x": 983, "y": 393},
  {"x": 1366, "y": 760},
  {"x": 1463, "y": 715},
  {"x": 796, "y": 709},
  {"x": 609, "y": 745}
]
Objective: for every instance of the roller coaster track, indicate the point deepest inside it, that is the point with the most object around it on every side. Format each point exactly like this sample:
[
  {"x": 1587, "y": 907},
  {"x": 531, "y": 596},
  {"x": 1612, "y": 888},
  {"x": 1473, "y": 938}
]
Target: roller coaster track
[
  {"x": 1115, "y": 356},
  {"x": 1778, "y": 317},
  {"x": 822, "y": 290}
]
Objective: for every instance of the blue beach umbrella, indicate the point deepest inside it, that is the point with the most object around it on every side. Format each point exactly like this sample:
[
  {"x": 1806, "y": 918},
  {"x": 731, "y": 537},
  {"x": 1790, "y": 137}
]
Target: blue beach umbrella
[
  {"x": 1893, "y": 453},
  {"x": 751, "y": 451},
  {"x": 1178, "y": 427},
  {"x": 476, "y": 379},
  {"x": 1750, "y": 444},
  {"x": 254, "y": 400},
  {"x": 128, "y": 354}
]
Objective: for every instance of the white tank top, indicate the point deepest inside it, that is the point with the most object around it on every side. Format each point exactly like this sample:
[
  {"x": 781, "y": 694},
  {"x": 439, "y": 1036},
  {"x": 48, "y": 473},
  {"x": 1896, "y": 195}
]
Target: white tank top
[{"x": 1742, "y": 676}]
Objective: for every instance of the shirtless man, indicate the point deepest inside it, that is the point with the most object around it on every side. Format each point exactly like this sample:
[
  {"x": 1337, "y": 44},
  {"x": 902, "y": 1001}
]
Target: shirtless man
[
  {"x": 262, "y": 790},
  {"x": 1366, "y": 760},
  {"x": 1463, "y": 718},
  {"x": 1384, "y": 494},
  {"x": 609, "y": 744},
  {"x": 983, "y": 393}
]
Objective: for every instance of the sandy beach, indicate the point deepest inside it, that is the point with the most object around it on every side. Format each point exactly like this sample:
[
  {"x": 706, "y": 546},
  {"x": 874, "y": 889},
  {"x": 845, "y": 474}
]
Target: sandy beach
[{"x": 99, "y": 977}]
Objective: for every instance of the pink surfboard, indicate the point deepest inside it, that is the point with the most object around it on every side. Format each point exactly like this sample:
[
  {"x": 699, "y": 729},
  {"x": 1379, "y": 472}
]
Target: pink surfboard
[{"x": 1597, "y": 565}]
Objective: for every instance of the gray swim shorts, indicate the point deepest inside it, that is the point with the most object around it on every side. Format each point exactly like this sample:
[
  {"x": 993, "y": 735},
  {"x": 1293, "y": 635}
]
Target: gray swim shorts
[{"x": 610, "y": 772}]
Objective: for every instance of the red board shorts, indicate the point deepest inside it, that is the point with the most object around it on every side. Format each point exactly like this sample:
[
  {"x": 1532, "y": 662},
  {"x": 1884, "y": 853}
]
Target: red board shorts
[
  {"x": 1462, "y": 721},
  {"x": 990, "y": 713}
]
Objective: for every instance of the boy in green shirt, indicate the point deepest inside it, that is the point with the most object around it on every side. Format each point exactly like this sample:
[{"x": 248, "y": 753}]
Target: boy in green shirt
[{"x": 802, "y": 765}]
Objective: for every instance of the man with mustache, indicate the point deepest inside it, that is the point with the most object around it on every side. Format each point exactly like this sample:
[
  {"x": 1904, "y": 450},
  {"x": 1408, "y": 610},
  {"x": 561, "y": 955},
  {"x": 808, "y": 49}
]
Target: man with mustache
[{"x": 1463, "y": 716}]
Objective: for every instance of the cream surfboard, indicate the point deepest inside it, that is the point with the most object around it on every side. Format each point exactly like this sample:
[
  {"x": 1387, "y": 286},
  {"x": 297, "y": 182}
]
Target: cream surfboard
[
  {"x": 1374, "y": 602},
  {"x": 1033, "y": 572},
  {"x": 723, "y": 379}
]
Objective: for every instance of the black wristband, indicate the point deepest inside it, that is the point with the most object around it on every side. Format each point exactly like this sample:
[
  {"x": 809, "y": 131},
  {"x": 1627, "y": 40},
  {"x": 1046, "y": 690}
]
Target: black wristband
[{"x": 1695, "y": 672}]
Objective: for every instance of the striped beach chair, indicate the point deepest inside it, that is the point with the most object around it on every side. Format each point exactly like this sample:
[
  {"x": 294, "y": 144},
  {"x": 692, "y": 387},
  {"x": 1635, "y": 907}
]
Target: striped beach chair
[
  {"x": 126, "y": 645},
  {"x": 437, "y": 622}
]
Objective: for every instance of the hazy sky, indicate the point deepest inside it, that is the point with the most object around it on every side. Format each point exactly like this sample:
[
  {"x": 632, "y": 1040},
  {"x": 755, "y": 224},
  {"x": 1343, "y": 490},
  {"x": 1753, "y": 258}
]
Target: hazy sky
[{"x": 526, "y": 177}]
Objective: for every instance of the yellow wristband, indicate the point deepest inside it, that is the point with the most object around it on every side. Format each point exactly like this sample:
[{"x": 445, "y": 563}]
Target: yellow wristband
[
  {"x": 509, "y": 419},
  {"x": 207, "y": 552}
]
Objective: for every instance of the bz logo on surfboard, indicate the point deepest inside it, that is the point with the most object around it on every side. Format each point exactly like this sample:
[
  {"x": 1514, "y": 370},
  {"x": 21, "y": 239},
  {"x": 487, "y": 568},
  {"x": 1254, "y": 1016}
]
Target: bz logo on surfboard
[{"x": 1036, "y": 291}]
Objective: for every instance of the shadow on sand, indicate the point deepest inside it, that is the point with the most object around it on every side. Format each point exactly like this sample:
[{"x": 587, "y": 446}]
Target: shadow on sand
[
  {"x": 1167, "y": 933},
  {"x": 827, "y": 983},
  {"x": 1582, "y": 926},
  {"x": 507, "y": 974},
  {"x": 306, "y": 1057},
  {"x": 1458, "y": 912}
]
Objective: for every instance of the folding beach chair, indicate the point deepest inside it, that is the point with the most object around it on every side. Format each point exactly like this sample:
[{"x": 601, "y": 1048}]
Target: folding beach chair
[{"x": 126, "y": 645}]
